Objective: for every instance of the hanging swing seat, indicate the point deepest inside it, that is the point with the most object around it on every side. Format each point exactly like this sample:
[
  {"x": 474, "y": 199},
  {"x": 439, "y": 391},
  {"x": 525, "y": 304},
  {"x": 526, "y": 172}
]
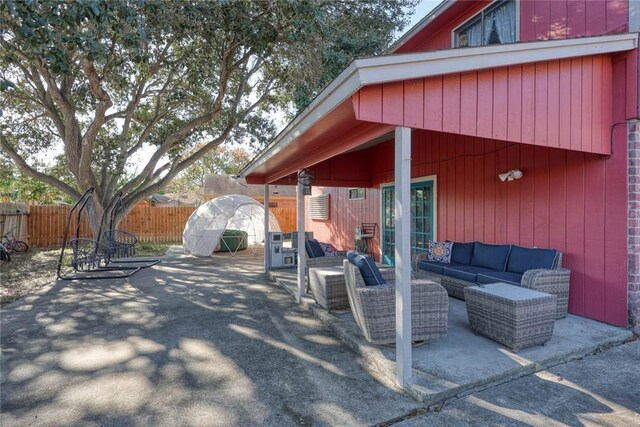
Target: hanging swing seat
[
  {"x": 93, "y": 259},
  {"x": 121, "y": 243},
  {"x": 89, "y": 255}
]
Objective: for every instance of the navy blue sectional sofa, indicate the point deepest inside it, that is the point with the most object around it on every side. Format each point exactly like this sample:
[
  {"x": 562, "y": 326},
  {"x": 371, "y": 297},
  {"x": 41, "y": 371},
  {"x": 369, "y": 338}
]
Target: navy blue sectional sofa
[{"x": 477, "y": 263}]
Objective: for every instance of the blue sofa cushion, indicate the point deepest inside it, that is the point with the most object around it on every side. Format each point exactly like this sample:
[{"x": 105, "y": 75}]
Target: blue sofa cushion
[
  {"x": 490, "y": 256},
  {"x": 439, "y": 251},
  {"x": 465, "y": 272},
  {"x": 433, "y": 266},
  {"x": 313, "y": 248},
  {"x": 523, "y": 259},
  {"x": 370, "y": 273},
  {"x": 461, "y": 253},
  {"x": 500, "y": 276}
]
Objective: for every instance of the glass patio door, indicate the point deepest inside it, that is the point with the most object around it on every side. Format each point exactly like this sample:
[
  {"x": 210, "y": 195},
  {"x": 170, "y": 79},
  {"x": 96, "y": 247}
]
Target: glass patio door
[{"x": 421, "y": 219}]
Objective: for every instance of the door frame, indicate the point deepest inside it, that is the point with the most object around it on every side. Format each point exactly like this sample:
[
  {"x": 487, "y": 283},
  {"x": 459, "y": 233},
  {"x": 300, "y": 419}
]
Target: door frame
[{"x": 434, "y": 185}]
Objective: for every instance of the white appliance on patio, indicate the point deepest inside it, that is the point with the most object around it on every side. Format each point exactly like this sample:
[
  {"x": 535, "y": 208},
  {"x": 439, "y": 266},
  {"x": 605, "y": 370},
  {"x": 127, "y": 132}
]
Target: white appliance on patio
[
  {"x": 275, "y": 249},
  {"x": 282, "y": 249},
  {"x": 289, "y": 257}
]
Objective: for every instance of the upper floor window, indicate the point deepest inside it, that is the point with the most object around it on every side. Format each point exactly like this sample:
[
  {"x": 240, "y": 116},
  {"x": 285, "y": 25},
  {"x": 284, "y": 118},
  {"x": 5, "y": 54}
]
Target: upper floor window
[{"x": 494, "y": 25}]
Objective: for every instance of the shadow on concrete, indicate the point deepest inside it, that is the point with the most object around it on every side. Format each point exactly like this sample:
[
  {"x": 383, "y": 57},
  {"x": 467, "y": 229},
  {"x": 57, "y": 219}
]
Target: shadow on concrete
[
  {"x": 597, "y": 390},
  {"x": 190, "y": 341}
]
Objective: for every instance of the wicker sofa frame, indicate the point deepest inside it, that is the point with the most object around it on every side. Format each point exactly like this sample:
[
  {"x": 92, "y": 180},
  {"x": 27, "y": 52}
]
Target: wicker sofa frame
[
  {"x": 551, "y": 281},
  {"x": 374, "y": 307}
]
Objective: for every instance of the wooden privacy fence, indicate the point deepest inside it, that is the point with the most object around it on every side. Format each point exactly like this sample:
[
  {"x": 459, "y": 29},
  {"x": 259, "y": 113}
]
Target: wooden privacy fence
[
  {"x": 13, "y": 218},
  {"x": 286, "y": 218},
  {"x": 149, "y": 223},
  {"x": 46, "y": 225}
]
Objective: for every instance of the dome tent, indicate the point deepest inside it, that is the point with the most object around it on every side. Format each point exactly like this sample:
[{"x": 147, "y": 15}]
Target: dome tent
[{"x": 233, "y": 212}]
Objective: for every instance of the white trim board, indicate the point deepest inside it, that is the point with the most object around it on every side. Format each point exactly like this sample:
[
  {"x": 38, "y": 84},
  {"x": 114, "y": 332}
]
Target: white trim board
[
  {"x": 424, "y": 22},
  {"x": 409, "y": 66}
]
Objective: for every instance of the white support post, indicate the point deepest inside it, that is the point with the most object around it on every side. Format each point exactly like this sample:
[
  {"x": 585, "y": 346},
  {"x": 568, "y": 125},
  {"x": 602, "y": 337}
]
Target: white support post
[
  {"x": 403, "y": 253},
  {"x": 301, "y": 252},
  {"x": 267, "y": 243}
]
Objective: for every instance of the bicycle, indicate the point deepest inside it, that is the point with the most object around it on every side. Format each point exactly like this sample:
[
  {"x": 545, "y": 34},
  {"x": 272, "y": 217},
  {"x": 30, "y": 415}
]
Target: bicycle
[{"x": 12, "y": 244}]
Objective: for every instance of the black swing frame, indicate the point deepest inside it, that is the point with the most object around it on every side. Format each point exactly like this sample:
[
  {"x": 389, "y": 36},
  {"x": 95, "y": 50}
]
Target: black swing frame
[
  {"x": 87, "y": 262},
  {"x": 125, "y": 246}
]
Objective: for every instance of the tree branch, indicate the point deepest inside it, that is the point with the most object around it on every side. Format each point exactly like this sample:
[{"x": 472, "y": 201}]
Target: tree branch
[{"x": 30, "y": 171}]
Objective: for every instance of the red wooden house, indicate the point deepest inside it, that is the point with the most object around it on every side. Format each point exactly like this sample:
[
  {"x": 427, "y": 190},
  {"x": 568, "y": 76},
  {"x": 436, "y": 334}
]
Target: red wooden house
[{"x": 549, "y": 88}]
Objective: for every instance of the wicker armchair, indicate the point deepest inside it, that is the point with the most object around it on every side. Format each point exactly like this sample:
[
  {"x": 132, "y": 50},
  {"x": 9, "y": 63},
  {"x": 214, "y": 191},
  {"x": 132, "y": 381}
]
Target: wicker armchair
[{"x": 374, "y": 308}]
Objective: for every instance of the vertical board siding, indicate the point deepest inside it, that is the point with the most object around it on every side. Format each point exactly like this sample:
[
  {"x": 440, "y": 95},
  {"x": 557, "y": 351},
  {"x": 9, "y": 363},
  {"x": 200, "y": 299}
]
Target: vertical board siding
[
  {"x": 556, "y": 103},
  {"x": 542, "y": 20},
  {"x": 148, "y": 223},
  {"x": 433, "y": 103},
  {"x": 566, "y": 200},
  {"x": 561, "y": 19},
  {"x": 344, "y": 216}
]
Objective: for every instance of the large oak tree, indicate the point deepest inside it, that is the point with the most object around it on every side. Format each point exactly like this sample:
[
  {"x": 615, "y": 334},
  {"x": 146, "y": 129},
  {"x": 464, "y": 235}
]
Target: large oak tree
[{"x": 102, "y": 81}]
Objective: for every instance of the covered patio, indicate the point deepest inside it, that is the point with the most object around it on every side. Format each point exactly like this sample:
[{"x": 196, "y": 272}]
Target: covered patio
[
  {"x": 461, "y": 117},
  {"x": 464, "y": 362}
]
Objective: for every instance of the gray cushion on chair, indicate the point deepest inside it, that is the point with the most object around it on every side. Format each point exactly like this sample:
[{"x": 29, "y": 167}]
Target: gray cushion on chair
[{"x": 370, "y": 273}]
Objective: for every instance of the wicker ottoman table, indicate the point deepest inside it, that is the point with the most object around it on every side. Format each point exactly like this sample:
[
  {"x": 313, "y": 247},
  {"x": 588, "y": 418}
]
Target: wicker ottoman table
[
  {"x": 514, "y": 316},
  {"x": 328, "y": 288}
]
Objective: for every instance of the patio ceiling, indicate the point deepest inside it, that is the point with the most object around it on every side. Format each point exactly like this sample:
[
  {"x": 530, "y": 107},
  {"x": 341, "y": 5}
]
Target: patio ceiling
[{"x": 370, "y": 98}]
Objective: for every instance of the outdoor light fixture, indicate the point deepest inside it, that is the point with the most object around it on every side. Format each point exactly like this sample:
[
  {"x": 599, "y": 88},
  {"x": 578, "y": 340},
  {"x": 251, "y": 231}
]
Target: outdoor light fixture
[
  {"x": 306, "y": 177},
  {"x": 512, "y": 175}
]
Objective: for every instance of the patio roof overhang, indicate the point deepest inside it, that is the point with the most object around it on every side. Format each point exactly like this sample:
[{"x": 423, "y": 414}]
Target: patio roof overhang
[{"x": 368, "y": 99}]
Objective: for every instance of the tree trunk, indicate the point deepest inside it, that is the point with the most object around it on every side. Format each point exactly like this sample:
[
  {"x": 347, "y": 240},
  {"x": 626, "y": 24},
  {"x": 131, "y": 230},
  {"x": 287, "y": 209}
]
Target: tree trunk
[{"x": 94, "y": 211}]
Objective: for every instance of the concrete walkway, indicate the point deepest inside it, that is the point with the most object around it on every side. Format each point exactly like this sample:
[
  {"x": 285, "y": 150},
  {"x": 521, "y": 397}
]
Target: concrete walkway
[
  {"x": 192, "y": 341},
  {"x": 599, "y": 390}
]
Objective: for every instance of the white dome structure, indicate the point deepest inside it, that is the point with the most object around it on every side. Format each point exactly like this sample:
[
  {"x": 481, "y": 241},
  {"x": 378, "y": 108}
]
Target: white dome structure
[{"x": 233, "y": 212}]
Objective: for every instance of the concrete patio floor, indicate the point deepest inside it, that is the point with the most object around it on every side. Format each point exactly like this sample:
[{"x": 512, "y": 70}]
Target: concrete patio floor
[
  {"x": 191, "y": 341},
  {"x": 464, "y": 362}
]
